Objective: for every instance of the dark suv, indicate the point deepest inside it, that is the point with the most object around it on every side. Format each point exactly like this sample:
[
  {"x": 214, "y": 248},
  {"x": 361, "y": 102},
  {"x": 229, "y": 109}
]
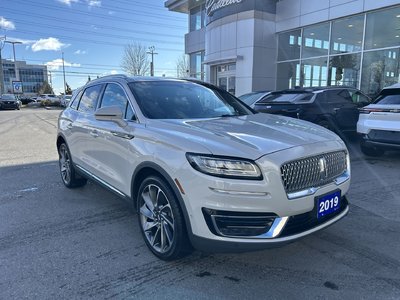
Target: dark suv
[{"x": 335, "y": 108}]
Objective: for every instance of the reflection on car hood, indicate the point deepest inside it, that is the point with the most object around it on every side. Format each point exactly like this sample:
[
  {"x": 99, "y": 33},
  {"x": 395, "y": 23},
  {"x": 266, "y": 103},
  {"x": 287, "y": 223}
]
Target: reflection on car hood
[{"x": 249, "y": 136}]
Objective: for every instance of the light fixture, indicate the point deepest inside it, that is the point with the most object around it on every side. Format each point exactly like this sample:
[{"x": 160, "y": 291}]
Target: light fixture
[
  {"x": 359, "y": 42},
  {"x": 339, "y": 38},
  {"x": 312, "y": 33},
  {"x": 397, "y": 36},
  {"x": 398, "y": 16},
  {"x": 350, "y": 25}
]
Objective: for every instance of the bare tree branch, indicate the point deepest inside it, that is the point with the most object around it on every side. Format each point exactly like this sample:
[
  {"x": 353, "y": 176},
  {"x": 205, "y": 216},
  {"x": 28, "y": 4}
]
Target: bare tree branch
[
  {"x": 182, "y": 66},
  {"x": 135, "y": 61}
]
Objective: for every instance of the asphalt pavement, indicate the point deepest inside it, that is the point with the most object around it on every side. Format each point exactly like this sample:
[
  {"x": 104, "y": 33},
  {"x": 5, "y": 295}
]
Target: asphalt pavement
[{"x": 57, "y": 243}]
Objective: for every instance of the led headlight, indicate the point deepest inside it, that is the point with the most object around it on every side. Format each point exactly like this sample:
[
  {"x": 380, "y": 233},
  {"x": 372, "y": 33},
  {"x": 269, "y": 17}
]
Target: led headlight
[{"x": 224, "y": 166}]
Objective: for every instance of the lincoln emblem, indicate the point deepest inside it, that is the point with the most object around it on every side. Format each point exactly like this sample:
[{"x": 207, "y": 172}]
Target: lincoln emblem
[{"x": 323, "y": 171}]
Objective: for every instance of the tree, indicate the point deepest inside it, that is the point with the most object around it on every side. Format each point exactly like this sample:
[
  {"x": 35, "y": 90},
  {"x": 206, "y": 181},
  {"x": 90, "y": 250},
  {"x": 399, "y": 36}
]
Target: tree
[
  {"x": 68, "y": 89},
  {"x": 46, "y": 88},
  {"x": 182, "y": 66},
  {"x": 135, "y": 61}
]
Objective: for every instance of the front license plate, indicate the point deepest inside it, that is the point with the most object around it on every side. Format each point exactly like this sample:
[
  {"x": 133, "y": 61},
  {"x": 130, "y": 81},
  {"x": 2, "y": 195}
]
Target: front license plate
[{"x": 328, "y": 204}]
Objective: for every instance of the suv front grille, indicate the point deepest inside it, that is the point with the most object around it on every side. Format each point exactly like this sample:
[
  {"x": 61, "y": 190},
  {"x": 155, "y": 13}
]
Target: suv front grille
[{"x": 313, "y": 171}]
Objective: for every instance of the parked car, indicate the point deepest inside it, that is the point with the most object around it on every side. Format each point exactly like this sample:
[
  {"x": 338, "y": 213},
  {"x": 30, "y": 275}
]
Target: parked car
[
  {"x": 49, "y": 99},
  {"x": 252, "y": 98},
  {"x": 201, "y": 168},
  {"x": 65, "y": 99},
  {"x": 9, "y": 101},
  {"x": 335, "y": 108},
  {"x": 379, "y": 123}
]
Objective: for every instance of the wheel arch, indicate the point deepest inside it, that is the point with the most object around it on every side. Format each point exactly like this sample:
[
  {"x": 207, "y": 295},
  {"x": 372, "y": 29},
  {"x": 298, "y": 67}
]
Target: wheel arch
[{"x": 149, "y": 168}]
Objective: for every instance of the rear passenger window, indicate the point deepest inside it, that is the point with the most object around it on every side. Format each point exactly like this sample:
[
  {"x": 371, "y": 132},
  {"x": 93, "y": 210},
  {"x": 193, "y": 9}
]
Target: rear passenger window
[
  {"x": 89, "y": 99},
  {"x": 114, "y": 95},
  {"x": 75, "y": 101},
  {"x": 337, "y": 96}
]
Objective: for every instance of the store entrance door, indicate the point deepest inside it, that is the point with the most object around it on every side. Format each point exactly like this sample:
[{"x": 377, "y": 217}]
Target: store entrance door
[{"x": 226, "y": 77}]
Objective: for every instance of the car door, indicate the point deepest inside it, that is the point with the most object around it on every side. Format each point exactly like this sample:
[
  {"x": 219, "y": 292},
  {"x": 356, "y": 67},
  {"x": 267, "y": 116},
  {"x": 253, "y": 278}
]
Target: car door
[
  {"x": 113, "y": 149},
  {"x": 83, "y": 133},
  {"x": 344, "y": 111}
]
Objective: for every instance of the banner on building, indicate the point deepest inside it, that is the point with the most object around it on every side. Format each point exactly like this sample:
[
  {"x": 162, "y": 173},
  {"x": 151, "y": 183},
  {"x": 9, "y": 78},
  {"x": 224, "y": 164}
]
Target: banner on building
[{"x": 17, "y": 87}]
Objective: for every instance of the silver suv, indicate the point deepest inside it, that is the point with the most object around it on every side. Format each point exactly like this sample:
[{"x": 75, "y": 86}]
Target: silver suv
[{"x": 202, "y": 168}]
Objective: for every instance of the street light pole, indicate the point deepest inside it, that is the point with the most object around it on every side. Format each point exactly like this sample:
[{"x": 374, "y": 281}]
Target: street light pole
[
  {"x": 1, "y": 69},
  {"x": 151, "y": 51},
  {"x": 15, "y": 61},
  {"x": 65, "y": 89}
]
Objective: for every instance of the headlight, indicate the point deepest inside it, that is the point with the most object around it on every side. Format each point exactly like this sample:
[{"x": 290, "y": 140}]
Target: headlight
[{"x": 224, "y": 166}]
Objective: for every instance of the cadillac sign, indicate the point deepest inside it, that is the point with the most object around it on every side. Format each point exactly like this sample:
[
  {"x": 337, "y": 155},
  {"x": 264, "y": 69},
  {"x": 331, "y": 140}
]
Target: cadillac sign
[{"x": 213, "y": 5}]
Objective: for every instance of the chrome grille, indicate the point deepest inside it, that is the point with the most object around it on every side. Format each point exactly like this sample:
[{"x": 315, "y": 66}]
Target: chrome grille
[{"x": 313, "y": 171}]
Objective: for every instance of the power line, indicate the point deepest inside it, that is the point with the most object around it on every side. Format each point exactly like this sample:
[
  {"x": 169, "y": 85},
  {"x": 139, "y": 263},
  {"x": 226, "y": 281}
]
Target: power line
[{"x": 102, "y": 16}]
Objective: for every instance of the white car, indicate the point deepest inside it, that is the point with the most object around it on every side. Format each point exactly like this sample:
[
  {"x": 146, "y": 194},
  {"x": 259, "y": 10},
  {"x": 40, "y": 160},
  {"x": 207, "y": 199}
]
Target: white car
[
  {"x": 379, "y": 123},
  {"x": 201, "y": 168},
  {"x": 65, "y": 99},
  {"x": 48, "y": 97}
]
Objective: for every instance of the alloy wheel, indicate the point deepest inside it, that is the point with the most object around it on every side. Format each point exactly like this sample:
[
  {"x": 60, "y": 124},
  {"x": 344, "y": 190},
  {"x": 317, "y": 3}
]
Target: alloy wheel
[
  {"x": 65, "y": 164},
  {"x": 156, "y": 218}
]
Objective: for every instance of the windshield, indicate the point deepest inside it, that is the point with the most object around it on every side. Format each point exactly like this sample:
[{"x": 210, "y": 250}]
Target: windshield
[
  {"x": 287, "y": 97},
  {"x": 388, "y": 99},
  {"x": 184, "y": 100},
  {"x": 8, "y": 97},
  {"x": 250, "y": 98}
]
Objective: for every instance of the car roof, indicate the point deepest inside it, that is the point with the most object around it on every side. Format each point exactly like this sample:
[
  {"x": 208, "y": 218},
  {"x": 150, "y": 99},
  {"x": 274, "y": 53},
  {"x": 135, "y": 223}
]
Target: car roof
[
  {"x": 394, "y": 86},
  {"x": 312, "y": 89}
]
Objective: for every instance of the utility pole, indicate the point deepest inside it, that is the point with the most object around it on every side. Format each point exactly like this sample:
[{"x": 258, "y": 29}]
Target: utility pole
[
  {"x": 51, "y": 80},
  {"x": 1, "y": 68},
  {"x": 151, "y": 51},
  {"x": 15, "y": 61},
  {"x": 65, "y": 88}
]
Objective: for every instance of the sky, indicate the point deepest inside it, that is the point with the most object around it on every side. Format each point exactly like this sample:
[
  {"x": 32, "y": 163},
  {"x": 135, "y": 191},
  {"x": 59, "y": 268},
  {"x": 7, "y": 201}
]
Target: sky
[{"x": 91, "y": 34}]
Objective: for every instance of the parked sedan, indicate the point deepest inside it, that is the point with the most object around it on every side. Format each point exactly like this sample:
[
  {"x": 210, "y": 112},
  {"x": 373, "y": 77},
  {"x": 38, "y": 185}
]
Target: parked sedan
[
  {"x": 9, "y": 101},
  {"x": 335, "y": 108},
  {"x": 379, "y": 123}
]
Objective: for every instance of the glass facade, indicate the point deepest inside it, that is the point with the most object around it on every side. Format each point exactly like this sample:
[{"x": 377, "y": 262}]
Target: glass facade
[
  {"x": 32, "y": 77},
  {"x": 197, "y": 18},
  {"x": 339, "y": 53},
  {"x": 196, "y": 65}
]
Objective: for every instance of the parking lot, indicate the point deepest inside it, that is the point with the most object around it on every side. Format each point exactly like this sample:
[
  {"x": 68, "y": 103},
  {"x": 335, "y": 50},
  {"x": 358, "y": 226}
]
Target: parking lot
[{"x": 85, "y": 243}]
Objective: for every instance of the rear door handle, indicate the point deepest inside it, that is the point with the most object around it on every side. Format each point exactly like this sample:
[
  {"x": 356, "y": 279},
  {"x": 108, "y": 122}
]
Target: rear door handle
[{"x": 94, "y": 133}]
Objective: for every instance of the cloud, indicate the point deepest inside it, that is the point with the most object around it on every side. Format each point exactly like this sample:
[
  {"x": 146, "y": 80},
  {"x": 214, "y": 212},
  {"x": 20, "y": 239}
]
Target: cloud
[
  {"x": 68, "y": 2},
  {"x": 6, "y": 24},
  {"x": 80, "y": 52},
  {"x": 96, "y": 3},
  {"x": 25, "y": 42},
  {"x": 111, "y": 12},
  {"x": 56, "y": 64},
  {"x": 49, "y": 44}
]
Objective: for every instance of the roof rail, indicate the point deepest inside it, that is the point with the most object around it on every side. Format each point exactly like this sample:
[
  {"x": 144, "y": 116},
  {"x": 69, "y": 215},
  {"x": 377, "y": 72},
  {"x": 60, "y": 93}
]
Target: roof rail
[{"x": 110, "y": 76}]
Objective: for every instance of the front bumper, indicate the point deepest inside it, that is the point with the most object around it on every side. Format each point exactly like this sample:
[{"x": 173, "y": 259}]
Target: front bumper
[
  {"x": 9, "y": 105},
  {"x": 262, "y": 199}
]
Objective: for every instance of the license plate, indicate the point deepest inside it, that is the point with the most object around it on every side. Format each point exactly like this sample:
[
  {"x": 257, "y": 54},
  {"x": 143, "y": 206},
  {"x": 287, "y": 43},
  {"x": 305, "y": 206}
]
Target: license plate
[{"x": 328, "y": 204}]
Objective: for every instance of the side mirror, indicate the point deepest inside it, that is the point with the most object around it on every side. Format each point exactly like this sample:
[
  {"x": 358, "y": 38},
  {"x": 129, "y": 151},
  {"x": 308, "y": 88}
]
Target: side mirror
[{"x": 111, "y": 113}]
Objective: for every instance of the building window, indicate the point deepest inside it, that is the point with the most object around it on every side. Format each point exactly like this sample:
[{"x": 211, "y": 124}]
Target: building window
[
  {"x": 315, "y": 41},
  {"x": 288, "y": 75},
  {"x": 196, "y": 65},
  {"x": 380, "y": 69},
  {"x": 382, "y": 29},
  {"x": 314, "y": 72},
  {"x": 347, "y": 35},
  {"x": 344, "y": 70},
  {"x": 197, "y": 18},
  {"x": 289, "y": 44}
]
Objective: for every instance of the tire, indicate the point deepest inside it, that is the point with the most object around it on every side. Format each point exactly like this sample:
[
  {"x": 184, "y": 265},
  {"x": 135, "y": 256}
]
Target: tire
[
  {"x": 326, "y": 124},
  {"x": 68, "y": 174},
  {"x": 371, "y": 151},
  {"x": 161, "y": 220}
]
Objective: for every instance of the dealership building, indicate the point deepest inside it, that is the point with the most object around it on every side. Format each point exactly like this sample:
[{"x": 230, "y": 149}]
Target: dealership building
[{"x": 252, "y": 45}]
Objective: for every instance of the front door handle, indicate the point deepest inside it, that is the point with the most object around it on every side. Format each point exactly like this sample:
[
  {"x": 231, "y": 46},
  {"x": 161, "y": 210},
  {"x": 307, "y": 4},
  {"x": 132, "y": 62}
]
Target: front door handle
[{"x": 94, "y": 133}]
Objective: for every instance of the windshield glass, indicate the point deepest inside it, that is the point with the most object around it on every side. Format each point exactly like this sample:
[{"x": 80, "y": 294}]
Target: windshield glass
[
  {"x": 250, "y": 98},
  {"x": 287, "y": 97},
  {"x": 388, "y": 99},
  {"x": 184, "y": 100},
  {"x": 8, "y": 97}
]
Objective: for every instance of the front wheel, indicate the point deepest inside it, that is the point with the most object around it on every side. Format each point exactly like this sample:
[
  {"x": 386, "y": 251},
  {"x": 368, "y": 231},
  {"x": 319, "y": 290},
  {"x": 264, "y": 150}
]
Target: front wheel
[
  {"x": 161, "y": 220},
  {"x": 67, "y": 170}
]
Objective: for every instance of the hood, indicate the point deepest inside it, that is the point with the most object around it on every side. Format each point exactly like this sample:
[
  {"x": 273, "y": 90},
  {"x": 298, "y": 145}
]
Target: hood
[{"x": 249, "y": 136}]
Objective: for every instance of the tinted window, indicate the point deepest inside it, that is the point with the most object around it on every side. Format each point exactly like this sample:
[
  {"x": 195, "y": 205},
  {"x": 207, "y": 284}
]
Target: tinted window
[
  {"x": 89, "y": 99},
  {"x": 114, "y": 95},
  {"x": 358, "y": 97},
  {"x": 75, "y": 102},
  {"x": 249, "y": 99},
  {"x": 184, "y": 100},
  {"x": 337, "y": 96},
  {"x": 287, "y": 97},
  {"x": 388, "y": 99}
]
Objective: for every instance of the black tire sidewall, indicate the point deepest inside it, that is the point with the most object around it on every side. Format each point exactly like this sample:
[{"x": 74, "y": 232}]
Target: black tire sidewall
[{"x": 179, "y": 239}]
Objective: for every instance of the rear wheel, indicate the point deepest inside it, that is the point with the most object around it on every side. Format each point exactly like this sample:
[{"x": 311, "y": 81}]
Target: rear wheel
[
  {"x": 370, "y": 150},
  {"x": 161, "y": 220},
  {"x": 67, "y": 170}
]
